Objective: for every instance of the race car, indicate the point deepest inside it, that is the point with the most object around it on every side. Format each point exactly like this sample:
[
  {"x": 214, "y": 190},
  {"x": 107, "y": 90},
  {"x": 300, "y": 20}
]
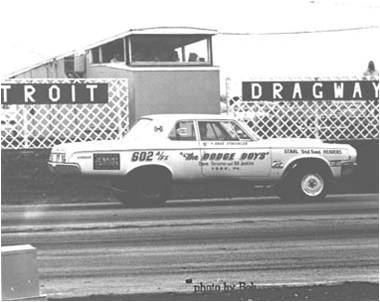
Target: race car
[{"x": 160, "y": 150}]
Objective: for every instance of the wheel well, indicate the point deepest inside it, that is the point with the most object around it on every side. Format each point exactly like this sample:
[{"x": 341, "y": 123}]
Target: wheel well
[
  {"x": 123, "y": 182},
  {"x": 308, "y": 162},
  {"x": 151, "y": 170}
]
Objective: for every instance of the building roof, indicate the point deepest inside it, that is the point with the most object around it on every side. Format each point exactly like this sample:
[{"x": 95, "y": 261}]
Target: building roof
[{"x": 163, "y": 30}]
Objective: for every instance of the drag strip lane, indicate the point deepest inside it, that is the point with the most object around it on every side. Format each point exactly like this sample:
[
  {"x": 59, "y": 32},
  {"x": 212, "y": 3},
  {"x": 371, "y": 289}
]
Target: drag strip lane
[{"x": 84, "y": 250}]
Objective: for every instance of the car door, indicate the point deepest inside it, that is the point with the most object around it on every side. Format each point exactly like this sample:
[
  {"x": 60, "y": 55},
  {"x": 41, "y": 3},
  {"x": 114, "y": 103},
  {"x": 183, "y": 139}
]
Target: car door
[{"x": 228, "y": 151}]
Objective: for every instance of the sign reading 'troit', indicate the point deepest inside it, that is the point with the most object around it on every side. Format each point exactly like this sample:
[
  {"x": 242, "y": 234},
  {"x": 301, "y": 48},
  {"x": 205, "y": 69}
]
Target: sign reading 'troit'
[
  {"x": 310, "y": 90},
  {"x": 74, "y": 93}
]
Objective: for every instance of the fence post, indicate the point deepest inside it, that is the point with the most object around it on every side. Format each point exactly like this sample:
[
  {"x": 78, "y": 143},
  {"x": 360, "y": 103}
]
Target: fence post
[
  {"x": 316, "y": 118},
  {"x": 228, "y": 83},
  {"x": 127, "y": 103},
  {"x": 25, "y": 125},
  {"x": 120, "y": 104}
]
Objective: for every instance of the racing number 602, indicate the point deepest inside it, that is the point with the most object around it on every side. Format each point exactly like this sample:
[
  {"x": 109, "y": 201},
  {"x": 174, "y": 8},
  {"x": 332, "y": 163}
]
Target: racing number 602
[{"x": 142, "y": 156}]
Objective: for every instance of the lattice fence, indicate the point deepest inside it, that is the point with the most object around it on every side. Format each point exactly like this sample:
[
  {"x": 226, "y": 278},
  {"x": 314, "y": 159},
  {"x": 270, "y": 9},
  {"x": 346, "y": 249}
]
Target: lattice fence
[
  {"x": 42, "y": 126},
  {"x": 327, "y": 120}
]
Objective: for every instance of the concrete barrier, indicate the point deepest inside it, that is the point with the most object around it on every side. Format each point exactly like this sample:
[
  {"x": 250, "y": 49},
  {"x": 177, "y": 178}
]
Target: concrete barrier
[{"x": 19, "y": 273}]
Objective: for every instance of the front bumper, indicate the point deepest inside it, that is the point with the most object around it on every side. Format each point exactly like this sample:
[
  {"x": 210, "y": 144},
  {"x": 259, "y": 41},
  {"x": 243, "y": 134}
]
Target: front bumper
[{"x": 64, "y": 169}]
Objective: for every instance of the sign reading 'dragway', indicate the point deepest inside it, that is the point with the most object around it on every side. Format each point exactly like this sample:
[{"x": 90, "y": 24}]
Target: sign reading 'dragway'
[
  {"x": 310, "y": 90},
  {"x": 74, "y": 93}
]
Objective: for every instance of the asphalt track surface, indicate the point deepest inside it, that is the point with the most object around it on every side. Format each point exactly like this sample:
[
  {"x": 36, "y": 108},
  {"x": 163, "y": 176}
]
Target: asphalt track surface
[{"x": 91, "y": 248}]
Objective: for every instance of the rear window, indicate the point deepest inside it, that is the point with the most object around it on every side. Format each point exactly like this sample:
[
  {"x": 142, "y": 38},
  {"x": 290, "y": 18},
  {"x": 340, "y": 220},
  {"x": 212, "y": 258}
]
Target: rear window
[{"x": 183, "y": 131}]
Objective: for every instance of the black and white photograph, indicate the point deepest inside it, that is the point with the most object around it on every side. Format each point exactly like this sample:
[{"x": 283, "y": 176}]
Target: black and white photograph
[{"x": 190, "y": 150}]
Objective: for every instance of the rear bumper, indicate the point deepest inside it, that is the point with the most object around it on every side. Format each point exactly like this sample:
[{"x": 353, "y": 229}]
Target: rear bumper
[{"x": 64, "y": 169}]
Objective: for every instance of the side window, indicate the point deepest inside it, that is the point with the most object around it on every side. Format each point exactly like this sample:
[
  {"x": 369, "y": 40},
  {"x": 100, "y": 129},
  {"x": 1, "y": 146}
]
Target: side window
[
  {"x": 183, "y": 131},
  {"x": 236, "y": 131},
  {"x": 214, "y": 131}
]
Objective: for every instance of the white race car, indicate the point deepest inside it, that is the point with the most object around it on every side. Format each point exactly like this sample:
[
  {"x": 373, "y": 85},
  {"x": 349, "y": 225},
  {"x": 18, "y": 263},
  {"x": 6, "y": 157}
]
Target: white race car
[{"x": 162, "y": 149}]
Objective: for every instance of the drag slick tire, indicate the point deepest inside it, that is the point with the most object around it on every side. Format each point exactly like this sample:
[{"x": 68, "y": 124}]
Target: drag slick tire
[
  {"x": 143, "y": 189},
  {"x": 306, "y": 183}
]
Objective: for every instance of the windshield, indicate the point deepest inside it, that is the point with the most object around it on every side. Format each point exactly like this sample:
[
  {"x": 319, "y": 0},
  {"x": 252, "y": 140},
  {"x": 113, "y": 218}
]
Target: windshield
[
  {"x": 142, "y": 129},
  {"x": 235, "y": 131},
  {"x": 247, "y": 126}
]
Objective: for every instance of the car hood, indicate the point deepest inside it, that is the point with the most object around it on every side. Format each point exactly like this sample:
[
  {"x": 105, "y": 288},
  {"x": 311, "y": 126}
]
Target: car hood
[
  {"x": 293, "y": 142},
  {"x": 348, "y": 152}
]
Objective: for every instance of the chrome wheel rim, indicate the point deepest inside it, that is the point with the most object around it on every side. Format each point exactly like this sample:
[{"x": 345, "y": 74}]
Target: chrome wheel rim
[{"x": 312, "y": 184}]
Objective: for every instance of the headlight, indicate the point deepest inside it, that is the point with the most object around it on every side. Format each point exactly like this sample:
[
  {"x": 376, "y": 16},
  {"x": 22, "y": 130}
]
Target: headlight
[{"x": 57, "y": 157}]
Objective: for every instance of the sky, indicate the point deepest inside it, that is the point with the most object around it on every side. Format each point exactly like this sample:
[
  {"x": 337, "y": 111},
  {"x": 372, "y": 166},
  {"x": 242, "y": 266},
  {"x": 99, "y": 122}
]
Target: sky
[{"x": 34, "y": 30}]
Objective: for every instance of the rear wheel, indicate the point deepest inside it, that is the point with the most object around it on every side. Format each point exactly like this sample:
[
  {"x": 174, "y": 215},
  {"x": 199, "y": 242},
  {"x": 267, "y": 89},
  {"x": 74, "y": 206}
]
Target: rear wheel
[
  {"x": 148, "y": 190},
  {"x": 304, "y": 184}
]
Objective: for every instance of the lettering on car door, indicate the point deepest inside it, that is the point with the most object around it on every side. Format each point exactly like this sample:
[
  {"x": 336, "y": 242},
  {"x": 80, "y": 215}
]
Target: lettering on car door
[{"x": 227, "y": 151}]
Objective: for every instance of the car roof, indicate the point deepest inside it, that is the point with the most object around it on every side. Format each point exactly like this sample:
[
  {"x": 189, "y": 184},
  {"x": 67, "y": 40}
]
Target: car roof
[
  {"x": 188, "y": 116},
  {"x": 170, "y": 119}
]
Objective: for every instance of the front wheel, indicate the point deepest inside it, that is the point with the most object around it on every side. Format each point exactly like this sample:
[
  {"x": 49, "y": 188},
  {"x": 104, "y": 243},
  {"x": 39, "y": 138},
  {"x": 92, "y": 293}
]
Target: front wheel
[{"x": 304, "y": 184}]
